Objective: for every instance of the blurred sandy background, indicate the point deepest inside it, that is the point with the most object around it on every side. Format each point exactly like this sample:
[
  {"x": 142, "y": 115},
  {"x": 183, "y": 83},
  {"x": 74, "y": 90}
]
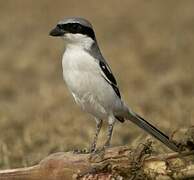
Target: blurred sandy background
[{"x": 149, "y": 45}]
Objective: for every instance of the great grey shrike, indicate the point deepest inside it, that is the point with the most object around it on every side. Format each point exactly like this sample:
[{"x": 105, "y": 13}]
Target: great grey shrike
[{"x": 91, "y": 81}]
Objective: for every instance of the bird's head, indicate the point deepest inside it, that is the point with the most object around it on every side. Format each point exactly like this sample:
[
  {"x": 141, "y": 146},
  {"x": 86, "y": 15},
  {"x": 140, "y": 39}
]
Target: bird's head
[{"x": 74, "y": 30}]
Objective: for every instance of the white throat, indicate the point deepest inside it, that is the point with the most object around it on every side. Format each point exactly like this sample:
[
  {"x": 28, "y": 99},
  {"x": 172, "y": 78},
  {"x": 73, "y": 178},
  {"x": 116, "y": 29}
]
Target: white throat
[{"x": 78, "y": 41}]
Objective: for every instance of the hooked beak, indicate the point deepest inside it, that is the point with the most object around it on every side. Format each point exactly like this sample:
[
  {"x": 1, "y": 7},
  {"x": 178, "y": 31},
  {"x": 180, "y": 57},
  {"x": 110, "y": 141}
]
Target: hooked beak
[{"x": 57, "y": 32}]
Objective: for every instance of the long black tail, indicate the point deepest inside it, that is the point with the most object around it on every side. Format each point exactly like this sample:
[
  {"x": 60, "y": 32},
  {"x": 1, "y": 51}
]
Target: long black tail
[{"x": 142, "y": 123}]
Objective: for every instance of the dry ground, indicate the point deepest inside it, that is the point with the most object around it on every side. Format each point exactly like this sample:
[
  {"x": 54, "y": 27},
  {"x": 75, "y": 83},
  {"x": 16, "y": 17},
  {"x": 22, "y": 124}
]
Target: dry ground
[{"x": 149, "y": 45}]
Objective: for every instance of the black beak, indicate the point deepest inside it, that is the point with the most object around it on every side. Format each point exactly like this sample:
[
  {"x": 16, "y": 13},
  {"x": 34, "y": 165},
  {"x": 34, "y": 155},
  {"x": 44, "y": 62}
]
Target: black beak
[{"x": 57, "y": 32}]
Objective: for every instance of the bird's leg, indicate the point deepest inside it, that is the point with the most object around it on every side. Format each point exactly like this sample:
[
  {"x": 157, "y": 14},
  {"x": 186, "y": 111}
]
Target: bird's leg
[
  {"x": 111, "y": 122},
  {"x": 100, "y": 153},
  {"x": 98, "y": 128}
]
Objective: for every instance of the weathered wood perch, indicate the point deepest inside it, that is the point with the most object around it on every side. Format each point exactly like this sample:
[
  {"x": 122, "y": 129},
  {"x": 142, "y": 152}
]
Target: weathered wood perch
[{"x": 117, "y": 163}]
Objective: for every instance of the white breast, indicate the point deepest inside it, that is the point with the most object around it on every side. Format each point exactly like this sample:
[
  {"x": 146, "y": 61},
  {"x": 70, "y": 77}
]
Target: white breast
[
  {"x": 78, "y": 67},
  {"x": 83, "y": 77}
]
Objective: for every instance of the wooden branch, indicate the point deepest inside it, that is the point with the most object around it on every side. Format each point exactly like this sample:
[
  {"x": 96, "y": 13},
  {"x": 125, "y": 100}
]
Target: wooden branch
[{"x": 117, "y": 162}]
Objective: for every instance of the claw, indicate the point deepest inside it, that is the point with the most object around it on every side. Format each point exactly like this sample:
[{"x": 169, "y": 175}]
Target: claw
[
  {"x": 81, "y": 151},
  {"x": 97, "y": 155}
]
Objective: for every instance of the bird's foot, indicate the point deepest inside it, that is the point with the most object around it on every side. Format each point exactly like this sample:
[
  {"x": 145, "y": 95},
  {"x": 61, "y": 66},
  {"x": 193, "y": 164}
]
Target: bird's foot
[
  {"x": 93, "y": 149},
  {"x": 81, "y": 151},
  {"x": 98, "y": 154}
]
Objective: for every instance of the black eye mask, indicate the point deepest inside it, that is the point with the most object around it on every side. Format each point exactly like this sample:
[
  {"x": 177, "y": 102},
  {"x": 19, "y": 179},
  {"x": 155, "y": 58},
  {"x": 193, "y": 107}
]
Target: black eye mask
[{"x": 77, "y": 28}]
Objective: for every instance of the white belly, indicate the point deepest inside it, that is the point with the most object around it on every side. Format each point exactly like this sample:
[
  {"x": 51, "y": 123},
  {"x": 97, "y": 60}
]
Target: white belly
[{"x": 83, "y": 77}]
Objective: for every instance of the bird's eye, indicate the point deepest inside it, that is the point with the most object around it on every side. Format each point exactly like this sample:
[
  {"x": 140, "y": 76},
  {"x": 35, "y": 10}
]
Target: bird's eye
[
  {"x": 61, "y": 26},
  {"x": 76, "y": 27},
  {"x": 79, "y": 27}
]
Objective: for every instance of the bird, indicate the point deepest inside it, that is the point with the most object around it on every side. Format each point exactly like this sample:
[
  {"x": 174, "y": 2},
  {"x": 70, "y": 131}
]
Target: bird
[{"x": 92, "y": 84}]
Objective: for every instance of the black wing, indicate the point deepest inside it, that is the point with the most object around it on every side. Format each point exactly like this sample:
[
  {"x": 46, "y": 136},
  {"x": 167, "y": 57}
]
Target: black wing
[{"x": 108, "y": 76}]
